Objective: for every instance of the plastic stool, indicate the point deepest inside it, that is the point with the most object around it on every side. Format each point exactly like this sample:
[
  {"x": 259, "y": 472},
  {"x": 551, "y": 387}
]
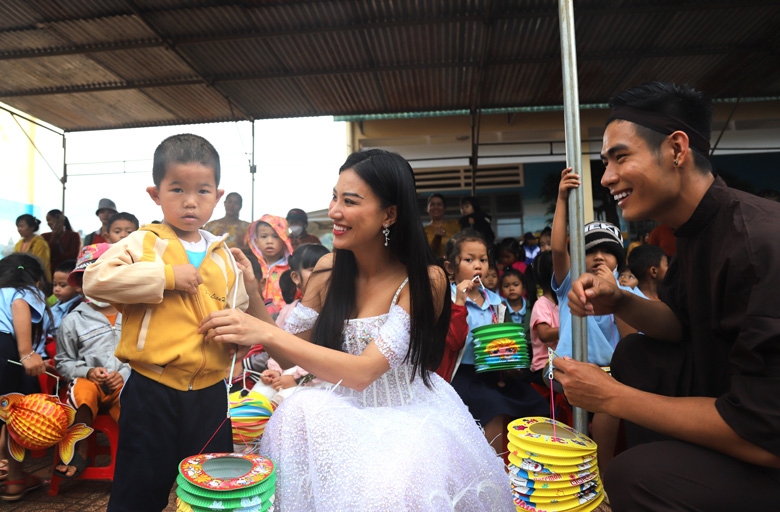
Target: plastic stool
[{"x": 108, "y": 426}]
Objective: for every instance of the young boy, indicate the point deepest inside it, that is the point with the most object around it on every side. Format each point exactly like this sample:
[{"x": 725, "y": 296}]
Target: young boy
[
  {"x": 68, "y": 297},
  {"x": 603, "y": 254},
  {"x": 86, "y": 342},
  {"x": 165, "y": 278},
  {"x": 649, "y": 264}
]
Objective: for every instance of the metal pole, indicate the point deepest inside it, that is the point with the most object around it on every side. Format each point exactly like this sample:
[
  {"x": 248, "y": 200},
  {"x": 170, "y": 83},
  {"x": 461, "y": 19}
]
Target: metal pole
[
  {"x": 571, "y": 111},
  {"x": 253, "y": 170},
  {"x": 64, "y": 178}
]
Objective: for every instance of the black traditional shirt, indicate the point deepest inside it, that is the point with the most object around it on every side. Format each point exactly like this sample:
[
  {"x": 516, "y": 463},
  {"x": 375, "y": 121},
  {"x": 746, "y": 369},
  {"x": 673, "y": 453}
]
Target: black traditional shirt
[{"x": 724, "y": 286}]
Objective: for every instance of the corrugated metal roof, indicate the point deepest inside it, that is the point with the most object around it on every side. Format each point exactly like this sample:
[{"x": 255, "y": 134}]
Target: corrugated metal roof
[{"x": 89, "y": 64}]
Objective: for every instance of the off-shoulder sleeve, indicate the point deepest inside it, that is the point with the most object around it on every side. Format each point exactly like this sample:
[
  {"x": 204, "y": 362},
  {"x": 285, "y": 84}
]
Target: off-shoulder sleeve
[
  {"x": 301, "y": 319},
  {"x": 394, "y": 336}
]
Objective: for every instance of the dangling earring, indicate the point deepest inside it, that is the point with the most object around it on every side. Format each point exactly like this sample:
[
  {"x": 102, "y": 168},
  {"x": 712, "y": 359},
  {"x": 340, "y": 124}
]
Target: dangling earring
[{"x": 386, "y": 232}]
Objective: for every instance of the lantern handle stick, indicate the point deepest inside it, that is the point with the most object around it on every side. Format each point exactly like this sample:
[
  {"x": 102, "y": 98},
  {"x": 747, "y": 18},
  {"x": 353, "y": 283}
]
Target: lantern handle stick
[{"x": 56, "y": 377}]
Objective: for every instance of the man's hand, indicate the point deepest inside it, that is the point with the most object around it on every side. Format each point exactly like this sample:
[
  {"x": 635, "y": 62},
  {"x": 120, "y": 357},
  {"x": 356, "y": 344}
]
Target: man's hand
[
  {"x": 186, "y": 278},
  {"x": 595, "y": 294},
  {"x": 585, "y": 385}
]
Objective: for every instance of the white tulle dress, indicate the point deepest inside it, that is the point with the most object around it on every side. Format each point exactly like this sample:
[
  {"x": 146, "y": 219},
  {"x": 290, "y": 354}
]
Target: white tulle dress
[{"x": 397, "y": 445}]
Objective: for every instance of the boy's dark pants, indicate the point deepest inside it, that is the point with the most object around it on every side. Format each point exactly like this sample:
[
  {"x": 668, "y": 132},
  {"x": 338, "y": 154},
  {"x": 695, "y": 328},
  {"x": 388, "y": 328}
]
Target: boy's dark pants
[{"x": 158, "y": 428}]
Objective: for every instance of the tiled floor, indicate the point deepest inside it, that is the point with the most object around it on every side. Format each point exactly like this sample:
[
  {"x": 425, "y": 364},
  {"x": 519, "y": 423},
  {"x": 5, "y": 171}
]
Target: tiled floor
[
  {"x": 83, "y": 495},
  {"x": 74, "y": 495}
]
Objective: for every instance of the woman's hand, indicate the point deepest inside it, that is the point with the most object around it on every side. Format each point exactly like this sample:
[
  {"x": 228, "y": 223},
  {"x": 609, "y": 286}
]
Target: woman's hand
[
  {"x": 243, "y": 263},
  {"x": 233, "y": 326}
]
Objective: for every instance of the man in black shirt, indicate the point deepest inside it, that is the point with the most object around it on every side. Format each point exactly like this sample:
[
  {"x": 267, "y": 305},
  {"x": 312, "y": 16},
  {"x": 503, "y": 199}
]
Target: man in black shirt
[{"x": 700, "y": 389}]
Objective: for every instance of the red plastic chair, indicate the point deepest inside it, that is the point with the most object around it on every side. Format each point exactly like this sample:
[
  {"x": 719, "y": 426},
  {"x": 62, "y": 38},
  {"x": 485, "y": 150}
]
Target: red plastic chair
[{"x": 108, "y": 426}]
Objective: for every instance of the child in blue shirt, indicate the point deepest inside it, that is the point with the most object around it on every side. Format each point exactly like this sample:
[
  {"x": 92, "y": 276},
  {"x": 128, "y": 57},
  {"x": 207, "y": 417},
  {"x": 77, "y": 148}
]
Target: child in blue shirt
[
  {"x": 512, "y": 286},
  {"x": 67, "y": 300},
  {"x": 22, "y": 309},
  {"x": 490, "y": 398},
  {"x": 603, "y": 254}
]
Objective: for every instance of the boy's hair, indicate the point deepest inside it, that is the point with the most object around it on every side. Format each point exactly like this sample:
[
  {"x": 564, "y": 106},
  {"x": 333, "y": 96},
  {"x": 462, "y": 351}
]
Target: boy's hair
[
  {"x": 306, "y": 256},
  {"x": 643, "y": 257},
  {"x": 66, "y": 266},
  {"x": 684, "y": 106},
  {"x": 184, "y": 148},
  {"x": 473, "y": 201},
  {"x": 510, "y": 245},
  {"x": 543, "y": 268},
  {"x": 123, "y": 216},
  {"x": 452, "y": 248},
  {"x": 547, "y": 231},
  {"x": 529, "y": 236},
  {"x": 287, "y": 286},
  {"x": 492, "y": 266},
  {"x": 512, "y": 272},
  {"x": 262, "y": 224}
]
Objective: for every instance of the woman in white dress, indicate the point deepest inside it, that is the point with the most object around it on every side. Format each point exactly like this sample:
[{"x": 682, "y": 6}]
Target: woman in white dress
[{"x": 388, "y": 434}]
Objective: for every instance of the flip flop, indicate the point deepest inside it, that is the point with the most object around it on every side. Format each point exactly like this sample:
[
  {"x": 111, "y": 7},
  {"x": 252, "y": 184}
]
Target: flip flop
[
  {"x": 33, "y": 481},
  {"x": 77, "y": 461}
]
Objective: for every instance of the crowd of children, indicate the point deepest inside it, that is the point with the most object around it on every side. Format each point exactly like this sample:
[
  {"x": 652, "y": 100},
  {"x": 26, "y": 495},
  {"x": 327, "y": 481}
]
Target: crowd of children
[{"x": 187, "y": 272}]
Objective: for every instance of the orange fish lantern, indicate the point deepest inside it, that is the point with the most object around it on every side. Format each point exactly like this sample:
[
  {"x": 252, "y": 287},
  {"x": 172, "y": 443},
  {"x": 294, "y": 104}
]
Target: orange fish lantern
[{"x": 39, "y": 421}]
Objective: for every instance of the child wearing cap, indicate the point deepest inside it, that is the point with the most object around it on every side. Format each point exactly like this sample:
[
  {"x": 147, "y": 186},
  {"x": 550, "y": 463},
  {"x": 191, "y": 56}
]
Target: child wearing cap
[
  {"x": 604, "y": 253},
  {"x": 165, "y": 279},
  {"x": 86, "y": 341}
]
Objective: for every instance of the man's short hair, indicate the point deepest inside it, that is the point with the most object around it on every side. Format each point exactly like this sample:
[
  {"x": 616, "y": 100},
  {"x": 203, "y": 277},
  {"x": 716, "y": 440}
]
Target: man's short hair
[
  {"x": 643, "y": 257},
  {"x": 677, "y": 101},
  {"x": 235, "y": 194},
  {"x": 184, "y": 148}
]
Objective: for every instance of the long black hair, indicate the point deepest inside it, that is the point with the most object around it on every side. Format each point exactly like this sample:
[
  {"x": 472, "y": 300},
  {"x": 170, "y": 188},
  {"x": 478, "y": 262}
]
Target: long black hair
[
  {"x": 391, "y": 178},
  {"x": 56, "y": 215}
]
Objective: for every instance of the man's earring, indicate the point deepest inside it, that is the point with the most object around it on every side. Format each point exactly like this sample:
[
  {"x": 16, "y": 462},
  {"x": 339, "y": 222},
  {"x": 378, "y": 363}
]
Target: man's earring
[{"x": 386, "y": 232}]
